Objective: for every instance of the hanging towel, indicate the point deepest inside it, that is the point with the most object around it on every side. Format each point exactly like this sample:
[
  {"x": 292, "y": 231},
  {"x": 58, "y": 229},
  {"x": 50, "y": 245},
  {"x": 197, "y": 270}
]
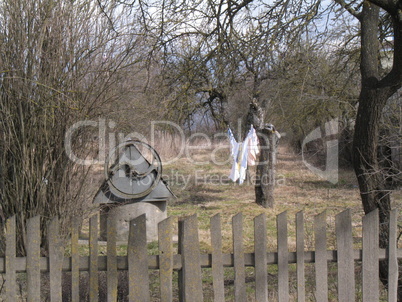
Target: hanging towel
[
  {"x": 243, "y": 154},
  {"x": 253, "y": 147}
]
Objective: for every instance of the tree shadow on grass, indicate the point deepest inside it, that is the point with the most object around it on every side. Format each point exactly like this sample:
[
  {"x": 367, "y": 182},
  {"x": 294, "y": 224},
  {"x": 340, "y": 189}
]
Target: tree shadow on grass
[{"x": 199, "y": 194}]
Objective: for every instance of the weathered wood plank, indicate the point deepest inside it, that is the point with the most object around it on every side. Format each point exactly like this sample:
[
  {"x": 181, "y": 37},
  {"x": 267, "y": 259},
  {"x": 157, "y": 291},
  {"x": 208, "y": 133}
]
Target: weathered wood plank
[
  {"x": 111, "y": 259},
  {"x": 370, "y": 257},
  {"x": 138, "y": 260},
  {"x": 191, "y": 278},
  {"x": 393, "y": 258},
  {"x": 56, "y": 255},
  {"x": 75, "y": 261},
  {"x": 93, "y": 259},
  {"x": 283, "y": 257},
  {"x": 321, "y": 264},
  {"x": 33, "y": 259},
  {"x": 180, "y": 273},
  {"x": 165, "y": 242},
  {"x": 217, "y": 264},
  {"x": 206, "y": 260},
  {"x": 301, "y": 289},
  {"x": 11, "y": 290},
  {"x": 238, "y": 258},
  {"x": 260, "y": 250},
  {"x": 346, "y": 268}
]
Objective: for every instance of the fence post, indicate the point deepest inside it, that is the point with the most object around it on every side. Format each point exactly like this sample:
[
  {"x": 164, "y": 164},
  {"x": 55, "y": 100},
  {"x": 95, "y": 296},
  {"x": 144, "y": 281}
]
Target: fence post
[
  {"x": 165, "y": 232},
  {"x": 56, "y": 254},
  {"x": 93, "y": 259},
  {"x": 301, "y": 290},
  {"x": 75, "y": 261},
  {"x": 238, "y": 257},
  {"x": 190, "y": 275},
  {"x": 217, "y": 264},
  {"x": 33, "y": 259},
  {"x": 111, "y": 259},
  {"x": 11, "y": 291},
  {"x": 321, "y": 264},
  {"x": 393, "y": 258},
  {"x": 137, "y": 255},
  {"x": 260, "y": 256},
  {"x": 283, "y": 257},
  {"x": 346, "y": 268},
  {"x": 370, "y": 257}
]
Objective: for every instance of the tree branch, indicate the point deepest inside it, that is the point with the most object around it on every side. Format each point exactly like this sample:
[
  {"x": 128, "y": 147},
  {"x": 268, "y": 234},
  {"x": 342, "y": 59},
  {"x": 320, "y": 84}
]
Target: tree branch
[
  {"x": 349, "y": 8},
  {"x": 390, "y": 6}
]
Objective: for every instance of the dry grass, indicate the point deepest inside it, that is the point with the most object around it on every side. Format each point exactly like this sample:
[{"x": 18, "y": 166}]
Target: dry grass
[
  {"x": 203, "y": 188},
  {"x": 199, "y": 192}
]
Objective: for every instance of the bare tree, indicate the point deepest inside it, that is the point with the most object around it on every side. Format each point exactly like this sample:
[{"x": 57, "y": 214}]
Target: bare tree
[
  {"x": 212, "y": 50},
  {"x": 60, "y": 64},
  {"x": 376, "y": 89}
]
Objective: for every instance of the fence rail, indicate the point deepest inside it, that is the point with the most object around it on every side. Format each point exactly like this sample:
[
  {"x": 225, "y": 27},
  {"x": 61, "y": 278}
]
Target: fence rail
[{"x": 189, "y": 261}]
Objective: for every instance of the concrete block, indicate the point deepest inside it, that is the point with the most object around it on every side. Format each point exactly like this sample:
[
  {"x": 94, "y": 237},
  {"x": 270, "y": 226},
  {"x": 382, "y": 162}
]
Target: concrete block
[{"x": 155, "y": 212}]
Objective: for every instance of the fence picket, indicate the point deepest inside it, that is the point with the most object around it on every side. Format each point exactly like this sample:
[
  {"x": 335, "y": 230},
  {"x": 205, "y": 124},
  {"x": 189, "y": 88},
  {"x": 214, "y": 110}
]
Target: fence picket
[
  {"x": 75, "y": 258},
  {"x": 393, "y": 258},
  {"x": 217, "y": 264},
  {"x": 165, "y": 242},
  {"x": 56, "y": 253},
  {"x": 283, "y": 257},
  {"x": 370, "y": 257},
  {"x": 260, "y": 256},
  {"x": 138, "y": 260},
  {"x": 11, "y": 292},
  {"x": 111, "y": 259},
  {"x": 33, "y": 259},
  {"x": 93, "y": 259},
  {"x": 301, "y": 290},
  {"x": 238, "y": 257},
  {"x": 346, "y": 268},
  {"x": 321, "y": 265},
  {"x": 190, "y": 278}
]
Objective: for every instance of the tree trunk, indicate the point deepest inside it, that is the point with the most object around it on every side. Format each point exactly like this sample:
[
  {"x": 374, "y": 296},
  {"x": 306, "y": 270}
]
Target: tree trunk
[
  {"x": 373, "y": 97},
  {"x": 265, "y": 178},
  {"x": 372, "y": 185},
  {"x": 265, "y": 171}
]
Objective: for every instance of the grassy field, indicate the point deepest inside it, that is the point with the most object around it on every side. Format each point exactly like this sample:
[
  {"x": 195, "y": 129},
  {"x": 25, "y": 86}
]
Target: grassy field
[
  {"x": 202, "y": 187},
  {"x": 199, "y": 179}
]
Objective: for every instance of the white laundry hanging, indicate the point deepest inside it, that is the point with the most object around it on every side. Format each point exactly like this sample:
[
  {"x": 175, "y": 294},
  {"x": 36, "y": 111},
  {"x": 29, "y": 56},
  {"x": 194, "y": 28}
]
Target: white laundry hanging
[
  {"x": 253, "y": 147},
  {"x": 234, "y": 151},
  {"x": 243, "y": 154}
]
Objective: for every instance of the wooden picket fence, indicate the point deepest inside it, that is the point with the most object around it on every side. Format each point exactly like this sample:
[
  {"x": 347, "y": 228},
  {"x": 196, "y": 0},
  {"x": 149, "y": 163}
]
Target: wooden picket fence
[{"x": 189, "y": 261}]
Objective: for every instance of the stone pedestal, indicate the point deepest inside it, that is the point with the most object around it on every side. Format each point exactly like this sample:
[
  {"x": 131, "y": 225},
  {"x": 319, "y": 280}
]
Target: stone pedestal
[{"x": 155, "y": 211}]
